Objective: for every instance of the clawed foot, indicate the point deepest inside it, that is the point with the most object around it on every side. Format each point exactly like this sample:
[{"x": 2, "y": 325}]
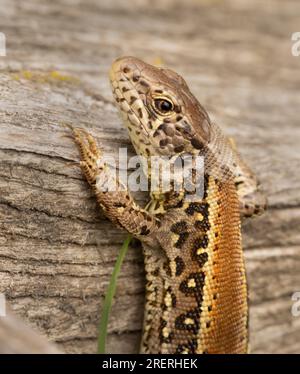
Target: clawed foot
[
  {"x": 91, "y": 161},
  {"x": 253, "y": 204}
]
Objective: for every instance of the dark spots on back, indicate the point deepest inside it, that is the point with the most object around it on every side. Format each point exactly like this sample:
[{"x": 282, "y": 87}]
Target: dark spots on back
[
  {"x": 193, "y": 284},
  {"x": 179, "y": 227},
  {"x": 156, "y": 133},
  {"x": 180, "y": 266},
  {"x": 200, "y": 242},
  {"x": 173, "y": 298},
  {"x": 203, "y": 222},
  {"x": 178, "y": 118},
  {"x": 196, "y": 143},
  {"x": 166, "y": 339},
  {"x": 200, "y": 258},
  {"x": 188, "y": 321},
  {"x": 163, "y": 338},
  {"x": 163, "y": 323},
  {"x": 167, "y": 269},
  {"x": 158, "y": 91},
  {"x": 189, "y": 347},
  {"x": 181, "y": 240},
  {"x": 197, "y": 207},
  {"x": 150, "y": 125},
  {"x": 125, "y": 89},
  {"x": 202, "y": 225},
  {"x": 135, "y": 77}
]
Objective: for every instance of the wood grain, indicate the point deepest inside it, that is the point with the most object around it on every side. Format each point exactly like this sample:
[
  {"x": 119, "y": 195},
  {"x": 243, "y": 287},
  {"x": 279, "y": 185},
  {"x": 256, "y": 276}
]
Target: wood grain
[
  {"x": 57, "y": 250},
  {"x": 17, "y": 338}
]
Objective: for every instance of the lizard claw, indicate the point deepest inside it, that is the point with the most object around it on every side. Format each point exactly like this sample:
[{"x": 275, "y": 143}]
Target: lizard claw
[{"x": 91, "y": 162}]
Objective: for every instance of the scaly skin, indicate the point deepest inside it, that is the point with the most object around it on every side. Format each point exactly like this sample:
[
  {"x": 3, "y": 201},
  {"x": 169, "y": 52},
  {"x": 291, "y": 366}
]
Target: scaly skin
[{"x": 196, "y": 292}]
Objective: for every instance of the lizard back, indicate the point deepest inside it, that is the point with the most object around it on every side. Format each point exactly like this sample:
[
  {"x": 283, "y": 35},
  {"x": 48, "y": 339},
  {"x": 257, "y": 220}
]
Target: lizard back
[{"x": 196, "y": 293}]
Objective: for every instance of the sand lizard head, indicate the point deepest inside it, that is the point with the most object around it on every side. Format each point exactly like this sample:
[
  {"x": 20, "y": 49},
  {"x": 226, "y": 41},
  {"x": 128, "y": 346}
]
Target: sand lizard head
[{"x": 162, "y": 115}]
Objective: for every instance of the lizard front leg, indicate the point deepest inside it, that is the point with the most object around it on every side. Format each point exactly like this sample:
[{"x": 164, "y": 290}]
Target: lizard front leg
[{"x": 116, "y": 202}]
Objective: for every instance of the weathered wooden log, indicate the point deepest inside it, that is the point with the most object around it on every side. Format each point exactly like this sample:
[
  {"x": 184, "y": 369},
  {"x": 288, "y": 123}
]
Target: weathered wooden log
[
  {"x": 57, "y": 250},
  {"x": 16, "y": 337}
]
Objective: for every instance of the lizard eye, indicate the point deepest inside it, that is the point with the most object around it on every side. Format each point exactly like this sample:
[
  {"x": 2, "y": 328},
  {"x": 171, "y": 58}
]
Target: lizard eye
[{"x": 163, "y": 106}]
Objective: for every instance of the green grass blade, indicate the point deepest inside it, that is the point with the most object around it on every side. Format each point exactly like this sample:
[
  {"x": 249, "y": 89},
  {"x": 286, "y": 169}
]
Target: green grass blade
[{"x": 110, "y": 295}]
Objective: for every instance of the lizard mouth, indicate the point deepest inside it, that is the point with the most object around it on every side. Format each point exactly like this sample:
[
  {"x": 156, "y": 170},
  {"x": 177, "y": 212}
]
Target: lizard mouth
[{"x": 130, "y": 93}]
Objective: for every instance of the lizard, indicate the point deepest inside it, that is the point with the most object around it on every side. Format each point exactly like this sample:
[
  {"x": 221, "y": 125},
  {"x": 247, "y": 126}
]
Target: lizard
[{"x": 196, "y": 288}]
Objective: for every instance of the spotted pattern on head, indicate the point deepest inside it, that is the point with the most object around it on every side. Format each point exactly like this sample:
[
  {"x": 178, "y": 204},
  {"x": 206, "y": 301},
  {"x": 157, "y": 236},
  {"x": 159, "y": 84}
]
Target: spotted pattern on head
[{"x": 150, "y": 103}]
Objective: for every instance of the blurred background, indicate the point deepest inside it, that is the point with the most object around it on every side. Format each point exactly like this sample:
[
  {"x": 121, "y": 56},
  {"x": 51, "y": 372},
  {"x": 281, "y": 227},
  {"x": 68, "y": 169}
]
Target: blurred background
[{"x": 57, "y": 250}]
